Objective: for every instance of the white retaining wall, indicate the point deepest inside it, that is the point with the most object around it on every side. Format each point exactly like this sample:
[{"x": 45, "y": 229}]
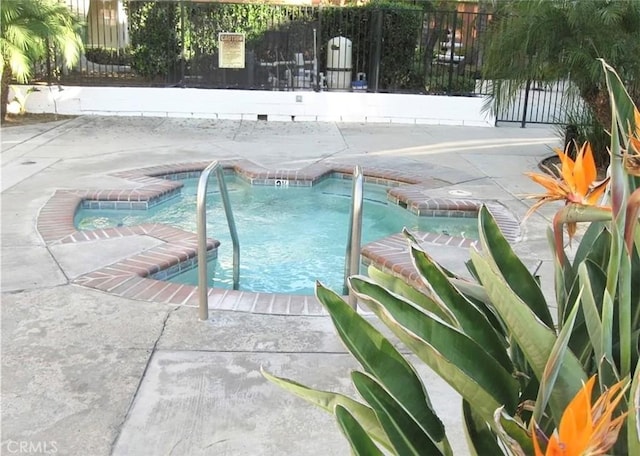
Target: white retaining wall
[{"x": 249, "y": 104}]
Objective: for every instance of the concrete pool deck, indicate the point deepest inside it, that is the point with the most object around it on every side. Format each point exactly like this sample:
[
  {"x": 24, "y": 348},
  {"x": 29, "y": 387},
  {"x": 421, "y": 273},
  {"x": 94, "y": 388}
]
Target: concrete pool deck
[{"x": 89, "y": 372}]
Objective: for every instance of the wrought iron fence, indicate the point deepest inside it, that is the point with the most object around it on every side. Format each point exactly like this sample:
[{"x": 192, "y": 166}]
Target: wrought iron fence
[
  {"x": 542, "y": 103},
  {"x": 404, "y": 48}
]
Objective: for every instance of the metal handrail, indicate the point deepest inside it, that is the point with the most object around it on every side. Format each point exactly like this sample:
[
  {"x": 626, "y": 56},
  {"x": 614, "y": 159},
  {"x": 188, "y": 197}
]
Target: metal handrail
[
  {"x": 354, "y": 238},
  {"x": 201, "y": 209}
]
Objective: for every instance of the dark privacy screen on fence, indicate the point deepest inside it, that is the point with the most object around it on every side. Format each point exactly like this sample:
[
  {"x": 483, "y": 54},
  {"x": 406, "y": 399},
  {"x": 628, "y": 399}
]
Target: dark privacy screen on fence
[{"x": 398, "y": 47}]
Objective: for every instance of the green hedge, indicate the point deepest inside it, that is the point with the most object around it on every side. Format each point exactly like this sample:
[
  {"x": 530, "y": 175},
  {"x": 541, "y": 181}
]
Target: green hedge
[
  {"x": 275, "y": 32},
  {"x": 154, "y": 30}
]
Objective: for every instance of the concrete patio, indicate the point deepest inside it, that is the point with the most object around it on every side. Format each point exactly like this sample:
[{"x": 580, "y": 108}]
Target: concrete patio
[{"x": 87, "y": 372}]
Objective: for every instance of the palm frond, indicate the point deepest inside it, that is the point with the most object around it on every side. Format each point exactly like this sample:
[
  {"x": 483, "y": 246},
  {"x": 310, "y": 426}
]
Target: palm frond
[{"x": 29, "y": 27}]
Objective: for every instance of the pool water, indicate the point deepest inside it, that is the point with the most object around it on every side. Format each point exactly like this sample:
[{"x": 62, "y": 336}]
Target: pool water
[{"x": 289, "y": 237}]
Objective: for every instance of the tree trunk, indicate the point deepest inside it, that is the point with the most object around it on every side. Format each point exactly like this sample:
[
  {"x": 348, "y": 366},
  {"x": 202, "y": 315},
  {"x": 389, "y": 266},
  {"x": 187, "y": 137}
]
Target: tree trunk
[
  {"x": 4, "y": 89},
  {"x": 598, "y": 101}
]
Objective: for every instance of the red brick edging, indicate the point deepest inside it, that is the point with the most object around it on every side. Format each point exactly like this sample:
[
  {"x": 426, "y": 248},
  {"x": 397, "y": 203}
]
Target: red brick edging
[{"x": 130, "y": 277}]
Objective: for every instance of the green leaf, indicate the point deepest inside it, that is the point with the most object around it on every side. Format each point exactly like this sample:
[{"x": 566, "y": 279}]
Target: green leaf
[
  {"x": 600, "y": 250},
  {"x": 534, "y": 338},
  {"x": 460, "y": 361},
  {"x": 563, "y": 274},
  {"x": 515, "y": 273},
  {"x": 513, "y": 435},
  {"x": 591, "y": 312},
  {"x": 621, "y": 103},
  {"x": 404, "y": 433},
  {"x": 607, "y": 327},
  {"x": 328, "y": 401},
  {"x": 624, "y": 313},
  {"x": 480, "y": 438},
  {"x": 361, "y": 444},
  {"x": 381, "y": 359},
  {"x": 470, "y": 319},
  {"x": 633, "y": 421},
  {"x": 402, "y": 288},
  {"x": 590, "y": 238},
  {"x": 552, "y": 368},
  {"x": 475, "y": 293}
]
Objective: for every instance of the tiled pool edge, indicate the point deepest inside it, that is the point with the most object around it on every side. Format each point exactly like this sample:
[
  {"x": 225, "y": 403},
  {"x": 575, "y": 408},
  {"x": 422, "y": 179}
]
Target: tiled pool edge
[{"x": 129, "y": 278}]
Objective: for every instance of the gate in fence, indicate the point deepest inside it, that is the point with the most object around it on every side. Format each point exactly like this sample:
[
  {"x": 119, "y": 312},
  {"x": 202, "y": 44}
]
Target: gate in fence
[{"x": 540, "y": 103}]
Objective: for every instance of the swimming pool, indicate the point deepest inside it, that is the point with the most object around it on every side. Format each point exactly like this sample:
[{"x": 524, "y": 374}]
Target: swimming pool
[{"x": 289, "y": 236}]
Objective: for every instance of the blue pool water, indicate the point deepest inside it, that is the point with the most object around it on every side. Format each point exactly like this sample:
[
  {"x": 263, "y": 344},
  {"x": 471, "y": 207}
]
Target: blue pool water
[{"x": 289, "y": 236}]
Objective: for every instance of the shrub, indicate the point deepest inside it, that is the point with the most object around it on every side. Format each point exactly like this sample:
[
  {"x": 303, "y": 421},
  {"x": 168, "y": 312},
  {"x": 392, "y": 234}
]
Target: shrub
[
  {"x": 155, "y": 38},
  {"x": 106, "y": 56}
]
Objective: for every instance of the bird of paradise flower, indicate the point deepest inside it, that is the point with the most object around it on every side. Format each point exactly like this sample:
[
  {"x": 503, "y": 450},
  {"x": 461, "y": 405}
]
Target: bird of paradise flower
[
  {"x": 575, "y": 183},
  {"x": 585, "y": 429}
]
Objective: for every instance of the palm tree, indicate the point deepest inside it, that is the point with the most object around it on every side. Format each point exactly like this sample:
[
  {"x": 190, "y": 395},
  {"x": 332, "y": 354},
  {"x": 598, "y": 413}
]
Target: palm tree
[
  {"x": 29, "y": 28},
  {"x": 545, "y": 40}
]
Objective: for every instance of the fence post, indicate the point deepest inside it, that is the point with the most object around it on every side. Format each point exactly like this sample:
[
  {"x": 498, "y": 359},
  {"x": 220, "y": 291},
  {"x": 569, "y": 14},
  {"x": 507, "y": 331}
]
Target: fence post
[
  {"x": 182, "y": 54},
  {"x": 318, "y": 39},
  {"x": 454, "y": 26},
  {"x": 374, "y": 77},
  {"x": 527, "y": 88}
]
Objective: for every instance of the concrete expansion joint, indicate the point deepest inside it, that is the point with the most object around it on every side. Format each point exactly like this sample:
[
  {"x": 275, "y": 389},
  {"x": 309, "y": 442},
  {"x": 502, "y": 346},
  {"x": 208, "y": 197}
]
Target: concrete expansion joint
[{"x": 121, "y": 424}]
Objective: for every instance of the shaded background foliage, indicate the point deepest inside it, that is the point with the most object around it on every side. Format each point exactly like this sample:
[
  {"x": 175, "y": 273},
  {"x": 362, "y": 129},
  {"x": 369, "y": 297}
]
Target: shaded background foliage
[{"x": 388, "y": 38}]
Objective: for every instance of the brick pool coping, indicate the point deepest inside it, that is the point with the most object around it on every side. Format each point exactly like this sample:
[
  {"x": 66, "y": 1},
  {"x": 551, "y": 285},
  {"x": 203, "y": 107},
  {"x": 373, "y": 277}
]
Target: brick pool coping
[{"x": 131, "y": 277}]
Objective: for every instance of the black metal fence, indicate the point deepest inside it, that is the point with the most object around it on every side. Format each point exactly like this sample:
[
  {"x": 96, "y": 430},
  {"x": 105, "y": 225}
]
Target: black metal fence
[
  {"x": 541, "y": 103},
  {"x": 404, "y": 48}
]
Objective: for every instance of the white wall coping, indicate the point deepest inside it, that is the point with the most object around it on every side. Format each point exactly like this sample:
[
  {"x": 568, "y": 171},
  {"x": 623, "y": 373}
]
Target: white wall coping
[{"x": 249, "y": 104}]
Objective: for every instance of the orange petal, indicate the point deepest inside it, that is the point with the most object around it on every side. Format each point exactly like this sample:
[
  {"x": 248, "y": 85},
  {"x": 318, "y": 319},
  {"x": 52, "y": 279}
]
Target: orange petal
[
  {"x": 596, "y": 193},
  {"x": 577, "y": 415},
  {"x": 553, "y": 186},
  {"x": 567, "y": 168},
  {"x": 589, "y": 170}
]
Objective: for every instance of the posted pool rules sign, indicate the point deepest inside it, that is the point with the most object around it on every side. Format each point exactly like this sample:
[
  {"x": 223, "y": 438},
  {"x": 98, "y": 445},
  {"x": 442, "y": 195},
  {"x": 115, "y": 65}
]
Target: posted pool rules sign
[{"x": 231, "y": 53}]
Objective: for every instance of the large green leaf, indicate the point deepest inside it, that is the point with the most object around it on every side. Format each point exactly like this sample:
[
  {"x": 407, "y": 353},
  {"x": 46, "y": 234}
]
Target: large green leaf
[
  {"x": 563, "y": 276},
  {"x": 404, "y": 433},
  {"x": 624, "y": 313},
  {"x": 328, "y": 401},
  {"x": 361, "y": 443},
  {"x": 475, "y": 293},
  {"x": 590, "y": 237},
  {"x": 381, "y": 359},
  {"x": 515, "y": 273},
  {"x": 591, "y": 311},
  {"x": 621, "y": 103},
  {"x": 468, "y": 318},
  {"x": 554, "y": 363},
  {"x": 633, "y": 420},
  {"x": 534, "y": 338},
  {"x": 402, "y": 288},
  {"x": 459, "y": 360},
  {"x": 513, "y": 435},
  {"x": 597, "y": 255},
  {"x": 480, "y": 438},
  {"x": 607, "y": 331}
]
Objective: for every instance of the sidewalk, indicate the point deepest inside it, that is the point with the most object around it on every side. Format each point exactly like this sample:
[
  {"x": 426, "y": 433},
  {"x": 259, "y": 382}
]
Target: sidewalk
[{"x": 90, "y": 373}]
